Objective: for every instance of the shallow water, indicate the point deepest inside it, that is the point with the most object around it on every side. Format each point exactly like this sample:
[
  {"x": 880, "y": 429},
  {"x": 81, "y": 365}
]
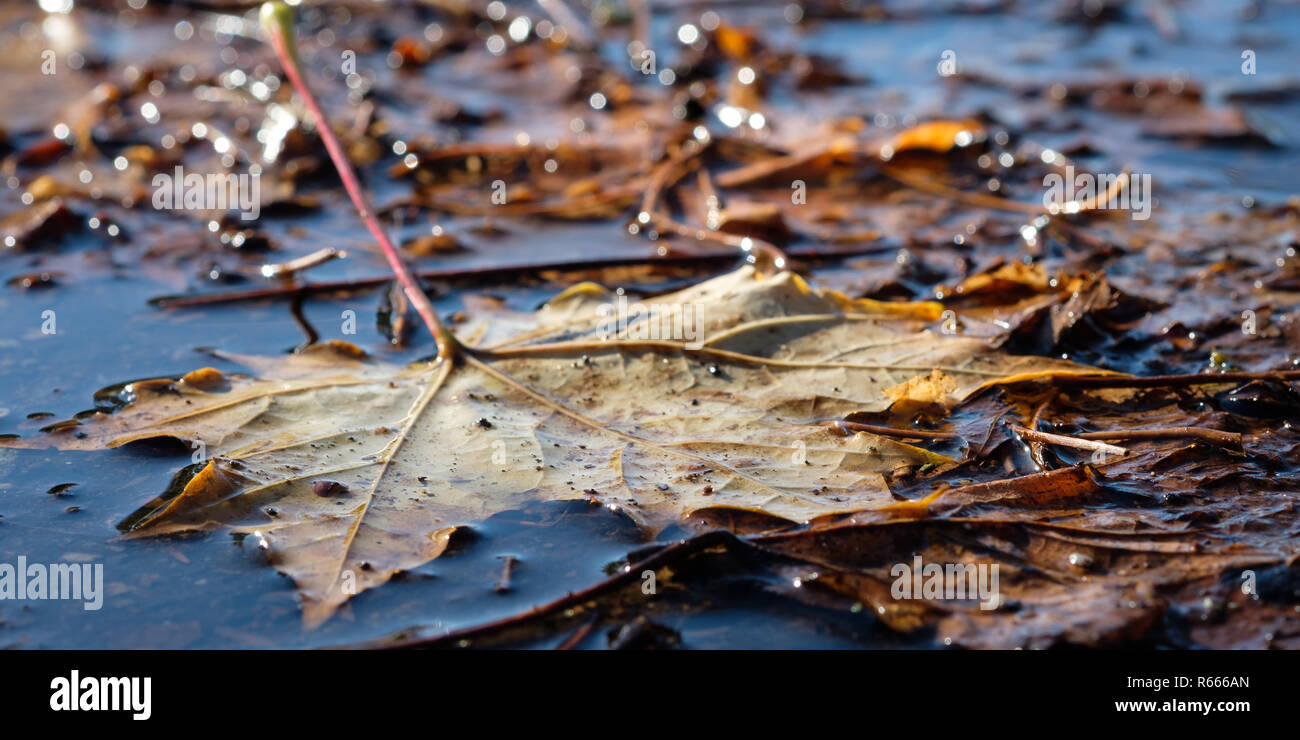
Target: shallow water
[{"x": 212, "y": 591}]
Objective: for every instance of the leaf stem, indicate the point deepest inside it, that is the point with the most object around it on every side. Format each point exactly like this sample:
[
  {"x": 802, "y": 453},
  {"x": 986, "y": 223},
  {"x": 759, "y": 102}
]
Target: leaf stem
[{"x": 277, "y": 19}]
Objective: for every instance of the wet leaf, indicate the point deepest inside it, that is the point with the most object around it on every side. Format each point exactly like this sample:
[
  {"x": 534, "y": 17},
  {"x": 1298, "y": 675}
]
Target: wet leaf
[{"x": 584, "y": 407}]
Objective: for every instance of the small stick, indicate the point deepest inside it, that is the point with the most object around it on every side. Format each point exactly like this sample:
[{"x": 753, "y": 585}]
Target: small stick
[
  {"x": 298, "y": 264},
  {"x": 669, "y": 172},
  {"x": 277, "y": 19},
  {"x": 757, "y": 252},
  {"x": 926, "y": 184},
  {"x": 786, "y": 164},
  {"x": 1038, "y": 412},
  {"x": 503, "y": 585},
  {"x": 1060, "y": 439},
  {"x": 752, "y": 248},
  {"x": 1226, "y": 439},
  {"x": 1168, "y": 381},
  {"x": 295, "y": 310},
  {"x": 666, "y": 175},
  {"x": 486, "y": 273},
  {"x": 575, "y": 639},
  {"x": 1036, "y": 448}
]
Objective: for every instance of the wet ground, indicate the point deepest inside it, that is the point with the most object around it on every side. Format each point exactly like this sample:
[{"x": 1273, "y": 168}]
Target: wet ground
[{"x": 1156, "y": 88}]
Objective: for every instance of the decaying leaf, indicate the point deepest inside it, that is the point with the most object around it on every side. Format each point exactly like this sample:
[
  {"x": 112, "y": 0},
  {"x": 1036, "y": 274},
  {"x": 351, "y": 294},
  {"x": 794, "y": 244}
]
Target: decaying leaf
[
  {"x": 935, "y": 136},
  {"x": 354, "y": 469}
]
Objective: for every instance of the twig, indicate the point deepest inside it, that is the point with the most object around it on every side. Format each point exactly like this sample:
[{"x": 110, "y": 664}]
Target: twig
[
  {"x": 295, "y": 310},
  {"x": 752, "y": 248},
  {"x": 580, "y": 634},
  {"x": 1036, "y": 448},
  {"x": 667, "y": 173},
  {"x": 1167, "y": 381},
  {"x": 923, "y": 182},
  {"x": 926, "y": 184},
  {"x": 665, "y": 176},
  {"x": 1060, "y": 439},
  {"x": 503, "y": 585},
  {"x": 277, "y": 20},
  {"x": 485, "y": 273},
  {"x": 786, "y": 165},
  {"x": 1226, "y": 439},
  {"x": 294, "y": 266}
]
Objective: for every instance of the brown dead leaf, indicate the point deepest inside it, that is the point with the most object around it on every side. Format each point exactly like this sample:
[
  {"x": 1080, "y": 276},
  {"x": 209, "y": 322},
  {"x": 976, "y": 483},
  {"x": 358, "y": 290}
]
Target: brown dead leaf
[{"x": 584, "y": 407}]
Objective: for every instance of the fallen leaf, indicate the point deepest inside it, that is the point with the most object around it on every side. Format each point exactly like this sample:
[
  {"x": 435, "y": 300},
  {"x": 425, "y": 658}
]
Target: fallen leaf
[
  {"x": 924, "y": 390},
  {"x": 935, "y": 136},
  {"x": 583, "y": 408}
]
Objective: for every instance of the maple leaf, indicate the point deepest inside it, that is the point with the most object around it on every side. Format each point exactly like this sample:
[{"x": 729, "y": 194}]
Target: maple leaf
[{"x": 354, "y": 469}]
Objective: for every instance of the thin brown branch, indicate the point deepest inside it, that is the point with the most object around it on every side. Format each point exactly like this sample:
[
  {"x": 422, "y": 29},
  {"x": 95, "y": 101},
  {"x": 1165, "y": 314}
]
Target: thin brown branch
[
  {"x": 487, "y": 274},
  {"x": 1036, "y": 447},
  {"x": 282, "y": 270},
  {"x": 580, "y": 634},
  {"x": 1063, "y": 440},
  {"x": 1167, "y": 381},
  {"x": 1230, "y": 440}
]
